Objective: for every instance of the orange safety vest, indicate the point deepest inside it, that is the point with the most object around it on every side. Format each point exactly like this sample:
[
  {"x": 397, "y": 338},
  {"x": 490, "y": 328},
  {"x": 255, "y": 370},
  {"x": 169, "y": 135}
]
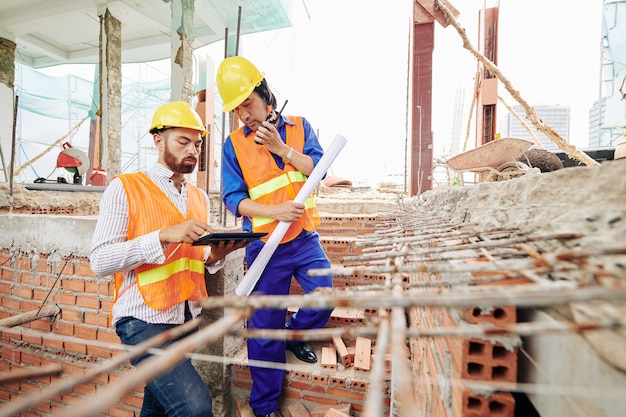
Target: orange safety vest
[
  {"x": 268, "y": 184},
  {"x": 181, "y": 277}
]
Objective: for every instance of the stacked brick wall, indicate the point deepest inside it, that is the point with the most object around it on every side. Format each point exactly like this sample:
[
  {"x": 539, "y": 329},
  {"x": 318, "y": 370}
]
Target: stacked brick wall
[
  {"x": 463, "y": 359},
  {"x": 78, "y": 338}
]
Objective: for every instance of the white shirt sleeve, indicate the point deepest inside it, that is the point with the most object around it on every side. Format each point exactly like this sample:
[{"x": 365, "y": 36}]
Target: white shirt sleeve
[{"x": 110, "y": 250}]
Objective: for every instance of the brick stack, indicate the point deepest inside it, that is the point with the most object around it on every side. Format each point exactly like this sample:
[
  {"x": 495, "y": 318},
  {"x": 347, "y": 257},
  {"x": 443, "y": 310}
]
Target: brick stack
[{"x": 26, "y": 281}]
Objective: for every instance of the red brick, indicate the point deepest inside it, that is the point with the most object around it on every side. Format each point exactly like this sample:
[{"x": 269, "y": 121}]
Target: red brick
[
  {"x": 307, "y": 387},
  {"x": 299, "y": 376},
  {"x": 85, "y": 332},
  {"x": 97, "y": 319},
  {"x": 66, "y": 269},
  {"x": 40, "y": 294},
  {"x": 76, "y": 285},
  {"x": 319, "y": 379},
  {"x": 52, "y": 342},
  {"x": 74, "y": 347},
  {"x": 498, "y": 315},
  {"x": 73, "y": 369},
  {"x": 298, "y": 409},
  {"x": 322, "y": 410},
  {"x": 359, "y": 384},
  {"x": 346, "y": 393},
  {"x": 100, "y": 352},
  {"x": 67, "y": 298},
  {"x": 32, "y": 338},
  {"x": 10, "y": 303},
  {"x": 23, "y": 264},
  {"x": 86, "y": 388},
  {"x": 133, "y": 400},
  {"x": 318, "y": 400},
  {"x": 42, "y": 265},
  {"x": 338, "y": 381},
  {"x": 66, "y": 329},
  {"x": 487, "y": 361},
  {"x": 8, "y": 275},
  {"x": 88, "y": 301},
  {"x": 499, "y": 404},
  {"x": 107, "y": 336},
  {"x": 118, "y": 411},
  {"x": 72, "y": 314},
  {"x": 84, "y": 270}
]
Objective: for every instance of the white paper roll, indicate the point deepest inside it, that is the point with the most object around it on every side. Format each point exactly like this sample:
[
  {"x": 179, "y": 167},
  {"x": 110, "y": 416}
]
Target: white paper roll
[{"x": 253, "y": 274}]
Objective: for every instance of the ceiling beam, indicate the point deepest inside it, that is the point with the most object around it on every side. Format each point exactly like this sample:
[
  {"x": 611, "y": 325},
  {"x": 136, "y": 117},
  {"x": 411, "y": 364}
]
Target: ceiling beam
[
  {"x": 34, "y": 43},
  {"x": 16, "y": 18}
]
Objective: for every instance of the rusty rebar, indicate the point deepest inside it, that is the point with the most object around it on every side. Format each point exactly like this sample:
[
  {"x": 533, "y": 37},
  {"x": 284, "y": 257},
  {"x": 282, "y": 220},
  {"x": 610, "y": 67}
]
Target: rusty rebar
[
  {"x": 21, "y": 404},
  {"x": 156, "y": 365},
  {"x": 523, "y": 295},
  {"x": 48, "y": 310}
]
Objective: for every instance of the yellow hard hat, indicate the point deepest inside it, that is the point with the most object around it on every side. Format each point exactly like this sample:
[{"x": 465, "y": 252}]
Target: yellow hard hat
[
  {"x": 236, "y": 79},
  {"x": 177, "y": 114}
]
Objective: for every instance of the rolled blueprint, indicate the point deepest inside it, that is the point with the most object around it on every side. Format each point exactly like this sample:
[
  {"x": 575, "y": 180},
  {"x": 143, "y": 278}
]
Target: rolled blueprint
[{"x": 249, "y": 280}]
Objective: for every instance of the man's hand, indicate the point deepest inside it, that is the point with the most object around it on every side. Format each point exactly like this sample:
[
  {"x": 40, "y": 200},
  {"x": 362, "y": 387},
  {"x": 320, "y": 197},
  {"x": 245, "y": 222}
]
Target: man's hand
[
  {"x": 187, "y": 232},
  {"x": 223, "y": 248},
  {"x": 289, "y": 211},
  {"x": 267, "y": 135}
]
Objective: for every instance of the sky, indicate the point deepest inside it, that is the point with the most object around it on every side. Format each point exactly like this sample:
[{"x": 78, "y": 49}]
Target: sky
[{"x": 343, "y": 65}]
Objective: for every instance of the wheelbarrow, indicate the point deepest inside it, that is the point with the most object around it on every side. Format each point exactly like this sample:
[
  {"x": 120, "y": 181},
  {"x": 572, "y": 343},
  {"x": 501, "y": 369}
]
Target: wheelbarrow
[{"x": 495, "y": 160}]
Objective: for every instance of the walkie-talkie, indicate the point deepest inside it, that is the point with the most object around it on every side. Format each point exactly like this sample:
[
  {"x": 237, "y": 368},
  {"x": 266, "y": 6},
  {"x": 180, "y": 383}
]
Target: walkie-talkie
[{"x": 273, "y": 120}]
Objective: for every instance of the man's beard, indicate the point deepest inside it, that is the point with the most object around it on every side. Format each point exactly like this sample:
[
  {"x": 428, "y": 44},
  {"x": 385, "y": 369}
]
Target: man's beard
[{"x": 176, "y": 166}]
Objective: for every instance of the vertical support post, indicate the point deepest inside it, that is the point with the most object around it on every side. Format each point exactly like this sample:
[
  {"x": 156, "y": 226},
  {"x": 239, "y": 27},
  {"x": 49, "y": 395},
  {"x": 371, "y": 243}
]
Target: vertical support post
[
  {"x": 421, "y": 155},
  {"x": 110, "y": 93}
]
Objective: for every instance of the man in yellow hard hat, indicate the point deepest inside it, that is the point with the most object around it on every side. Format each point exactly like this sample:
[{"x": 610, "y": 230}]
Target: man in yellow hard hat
[
  {"x": 264, "y": 165},
  {"x": 146, "y": 225}
]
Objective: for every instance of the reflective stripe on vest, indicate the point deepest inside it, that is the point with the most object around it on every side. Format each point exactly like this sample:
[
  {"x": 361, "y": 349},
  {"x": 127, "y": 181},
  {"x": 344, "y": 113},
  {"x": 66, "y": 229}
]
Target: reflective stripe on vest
[
  {"x": 276, "y": 183},
  {"x": 163, "y": 272},
  {"x": 272, "y": 184}
]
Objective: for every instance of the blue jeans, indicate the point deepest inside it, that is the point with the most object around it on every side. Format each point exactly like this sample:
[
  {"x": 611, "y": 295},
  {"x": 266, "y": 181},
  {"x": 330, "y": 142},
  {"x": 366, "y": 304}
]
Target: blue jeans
[{"x": 179, "y": 392}]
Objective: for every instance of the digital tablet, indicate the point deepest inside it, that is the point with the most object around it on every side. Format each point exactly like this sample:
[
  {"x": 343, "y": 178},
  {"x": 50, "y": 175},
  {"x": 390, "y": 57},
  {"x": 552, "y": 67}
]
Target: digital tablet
[{"x": 226, "y": 236}]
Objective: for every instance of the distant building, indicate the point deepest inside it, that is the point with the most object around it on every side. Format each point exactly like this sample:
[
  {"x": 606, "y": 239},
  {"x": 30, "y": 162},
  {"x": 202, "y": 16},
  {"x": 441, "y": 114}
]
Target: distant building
[
  {"x": 607, "y": 117},
  {"x": 599, "y": 135},
  {"x": 555, "y": 116}
]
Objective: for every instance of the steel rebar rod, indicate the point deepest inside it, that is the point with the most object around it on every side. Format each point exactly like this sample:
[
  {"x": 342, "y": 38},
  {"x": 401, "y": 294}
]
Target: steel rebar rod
[
  {"x": 556, "y": 260},
  {"x": 463, "y": 330},
  {"x": 51, "y": 370},
  {"x": 156, "y": 365},
  {"x": 375, "y": 389},
  {"x": 21, "y": 404},
  {"x": 49, "y": 310},
  {"x": 524, "y": 295},
  {"x": 401, "y": 378}
]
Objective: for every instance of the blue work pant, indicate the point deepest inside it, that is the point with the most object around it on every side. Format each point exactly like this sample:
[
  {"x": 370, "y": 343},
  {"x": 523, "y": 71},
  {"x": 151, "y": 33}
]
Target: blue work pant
[
  {"x": 291, "y": 259},
  {"x": 179, "y": 392}
]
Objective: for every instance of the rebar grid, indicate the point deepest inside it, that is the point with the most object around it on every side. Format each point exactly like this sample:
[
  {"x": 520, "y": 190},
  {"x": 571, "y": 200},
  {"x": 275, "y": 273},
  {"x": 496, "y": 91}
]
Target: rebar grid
[
  {"x": 452, "y": 267},
  {"x": 417, "y": 266}
]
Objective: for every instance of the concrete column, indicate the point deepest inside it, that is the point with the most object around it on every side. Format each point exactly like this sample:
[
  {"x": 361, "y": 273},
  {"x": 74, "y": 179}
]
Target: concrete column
[
  {"x": 182, "y": 51},
  {"x": 7, "y": 101},
  {"x": 110, "y": 94}
]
